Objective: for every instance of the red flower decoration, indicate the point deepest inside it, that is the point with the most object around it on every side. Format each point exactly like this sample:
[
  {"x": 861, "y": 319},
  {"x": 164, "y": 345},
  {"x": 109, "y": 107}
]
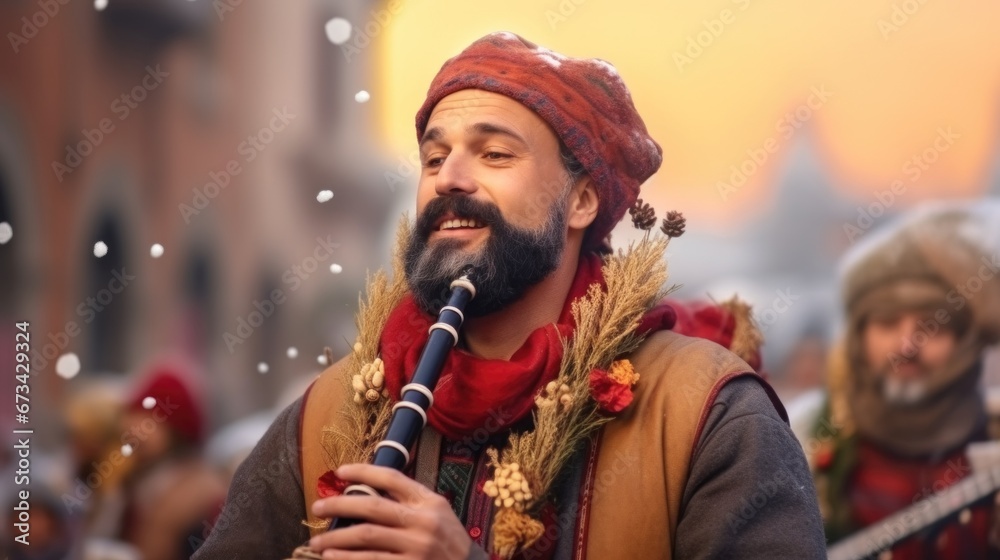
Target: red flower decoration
[
  {"x": 613, "y": 389},
  {"x": 824, "y": 456},
  {"x": 611, "y": 396},
  {"x": 331, "y": 485}
]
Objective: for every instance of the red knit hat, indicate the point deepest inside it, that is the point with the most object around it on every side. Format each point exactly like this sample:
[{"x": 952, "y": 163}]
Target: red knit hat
[
  {"x": 175, "y": 394},
  {"x": 585, "y": 102}
]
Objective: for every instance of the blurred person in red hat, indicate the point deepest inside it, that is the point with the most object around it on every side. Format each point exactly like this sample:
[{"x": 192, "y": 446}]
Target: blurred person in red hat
[
  {"x": 172, "y": 494},
  {"x": 904, "y": 404},
  {"x": 657, "y": 444}
]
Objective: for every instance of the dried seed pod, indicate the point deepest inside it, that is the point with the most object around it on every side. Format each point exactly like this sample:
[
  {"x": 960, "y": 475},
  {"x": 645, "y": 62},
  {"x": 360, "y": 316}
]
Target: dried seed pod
[
  {"x": 643, "y": 215},
  {"x": 551, "y": 387},
  {"x": 504, "y": 493},
  {"x": 498, "y": 502},
  {"x": 673, "y": 224},
  {"x": 357, "y": 398},
  {"x": 357, "y": 347},
  {"x": 508, "y": 502},
  {"x": 372, "y": 395},
  {"x": 564, "y": 388},
  {"x": 524, "y": 487},
  {"x": 519, "y": 495},
  {"x": 358, "y": 384},
  {"x": 514, "y": 467},
  {"x": 377, "y": 379}
]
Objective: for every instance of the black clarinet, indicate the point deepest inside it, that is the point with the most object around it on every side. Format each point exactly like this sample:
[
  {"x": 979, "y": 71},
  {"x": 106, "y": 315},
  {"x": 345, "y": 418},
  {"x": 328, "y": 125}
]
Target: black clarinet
[{"x": 409, "y": 415}]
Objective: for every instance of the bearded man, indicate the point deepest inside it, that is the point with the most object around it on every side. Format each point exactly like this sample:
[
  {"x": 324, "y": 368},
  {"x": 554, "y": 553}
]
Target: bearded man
[
  {"x": 922, "y": 301},
  {"x": 569, "y": 421}
]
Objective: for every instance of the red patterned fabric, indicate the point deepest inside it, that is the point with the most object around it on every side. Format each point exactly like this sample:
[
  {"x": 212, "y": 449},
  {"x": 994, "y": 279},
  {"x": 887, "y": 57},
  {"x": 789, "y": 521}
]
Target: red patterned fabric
[
  {"x": 585, "y": 102},
  {"x": 883, "y": 484}
]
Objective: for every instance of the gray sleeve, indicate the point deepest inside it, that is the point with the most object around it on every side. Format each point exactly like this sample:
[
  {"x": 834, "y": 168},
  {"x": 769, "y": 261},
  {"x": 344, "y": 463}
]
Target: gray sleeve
[
  {"x": 263, "y": 514},
  {"x": 477, "y": 553},
  {"x": 749, "y": 493}
]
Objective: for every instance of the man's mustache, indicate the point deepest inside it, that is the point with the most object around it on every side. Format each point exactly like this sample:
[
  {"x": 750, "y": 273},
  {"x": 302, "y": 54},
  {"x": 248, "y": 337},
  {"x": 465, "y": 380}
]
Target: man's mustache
[
  {"x": 483, "y": 212},
  {"x": 891, "y": 368}
]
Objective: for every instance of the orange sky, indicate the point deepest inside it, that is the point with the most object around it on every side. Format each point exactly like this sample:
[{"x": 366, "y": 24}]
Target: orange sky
[{"x": 893, "y": 88}]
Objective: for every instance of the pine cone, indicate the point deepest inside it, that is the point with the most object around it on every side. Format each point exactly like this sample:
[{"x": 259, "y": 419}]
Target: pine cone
[
  {"x": 643, "y": 215},
  {"x": 673, "y": 224}
]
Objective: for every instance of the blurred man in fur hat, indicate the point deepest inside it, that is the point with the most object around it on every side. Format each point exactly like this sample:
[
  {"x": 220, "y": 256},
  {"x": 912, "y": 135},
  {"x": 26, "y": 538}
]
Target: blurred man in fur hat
[
  {"x": 631, "y": 441},
  {"x": 922, "y": 303}
]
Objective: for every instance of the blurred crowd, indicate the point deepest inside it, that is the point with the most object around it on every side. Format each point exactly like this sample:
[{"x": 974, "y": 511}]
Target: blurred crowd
[{"x": 140, "y": 476}]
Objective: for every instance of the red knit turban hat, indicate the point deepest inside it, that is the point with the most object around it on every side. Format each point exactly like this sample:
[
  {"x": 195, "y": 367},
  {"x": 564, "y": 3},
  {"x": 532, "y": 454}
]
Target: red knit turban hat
[{"x": 585, "y": 102}]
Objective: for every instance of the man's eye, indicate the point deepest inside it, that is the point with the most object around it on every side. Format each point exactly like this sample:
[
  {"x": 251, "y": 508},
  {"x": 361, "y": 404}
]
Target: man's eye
[
  {"x": 496, "y": 155},
  {"x": 433, "y": 162}
]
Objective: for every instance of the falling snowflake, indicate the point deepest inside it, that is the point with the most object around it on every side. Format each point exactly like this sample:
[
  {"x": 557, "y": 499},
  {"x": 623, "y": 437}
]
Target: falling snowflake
[
  {"x": 262, "y": 367},
  {"x": 321, "y": 359},
  {"x": 68, "y": 365},
  {"x": 362, "y": 96},
  {"x": 156, "y": 251},
  {"x": 293, "y": 352},
  {"x": 100, "y": 249},
  {"x": 148, "y": 403},
  {"x": 336, "y": 268},
  {"x": 324, "y": 196},
  {"x": 126, "y": 450},
  {"x": 99, "y": 5},
  {"x": 6, "y": 232},
  {"x": 338, "y": 30}
]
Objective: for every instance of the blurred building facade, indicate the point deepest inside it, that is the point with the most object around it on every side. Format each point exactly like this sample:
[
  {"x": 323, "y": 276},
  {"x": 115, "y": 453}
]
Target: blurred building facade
[{"x": 208, "y": 128}]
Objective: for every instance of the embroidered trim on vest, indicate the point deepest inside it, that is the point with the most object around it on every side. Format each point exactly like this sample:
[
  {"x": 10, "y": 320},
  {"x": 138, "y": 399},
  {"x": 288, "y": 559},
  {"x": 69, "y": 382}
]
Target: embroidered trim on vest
[{"x": 583, "y": 517}]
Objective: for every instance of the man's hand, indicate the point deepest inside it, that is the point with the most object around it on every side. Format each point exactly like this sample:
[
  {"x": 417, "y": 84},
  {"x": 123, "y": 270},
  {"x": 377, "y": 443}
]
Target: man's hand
[{"x": 415, "y": 524}]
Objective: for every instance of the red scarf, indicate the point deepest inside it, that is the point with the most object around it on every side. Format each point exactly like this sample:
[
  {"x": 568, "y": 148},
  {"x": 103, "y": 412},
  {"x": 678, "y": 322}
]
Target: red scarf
[{"x": 474, "y": 393}]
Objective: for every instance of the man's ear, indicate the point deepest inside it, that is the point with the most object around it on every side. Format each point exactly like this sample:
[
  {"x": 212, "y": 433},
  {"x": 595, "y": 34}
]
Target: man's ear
[{"x": 583, "y": 204}]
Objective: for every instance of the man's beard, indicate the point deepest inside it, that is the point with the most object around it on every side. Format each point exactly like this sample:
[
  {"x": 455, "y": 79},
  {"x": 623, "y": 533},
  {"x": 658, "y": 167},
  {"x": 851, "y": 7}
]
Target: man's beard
[
  {"x": 509, "y": 262},
  {"x": 908, "y": 391},
  {"x": 903, "y": 391}
]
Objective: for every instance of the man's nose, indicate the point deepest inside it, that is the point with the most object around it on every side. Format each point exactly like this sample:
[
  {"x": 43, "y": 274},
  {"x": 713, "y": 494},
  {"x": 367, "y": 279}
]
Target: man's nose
[
  {"x": 455, "y": 175},
  {"x": 907, "y": 343}
]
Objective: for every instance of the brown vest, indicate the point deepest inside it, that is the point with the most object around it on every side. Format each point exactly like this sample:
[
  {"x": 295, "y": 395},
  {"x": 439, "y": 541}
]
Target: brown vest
[{"x": 643, "y": 456}]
